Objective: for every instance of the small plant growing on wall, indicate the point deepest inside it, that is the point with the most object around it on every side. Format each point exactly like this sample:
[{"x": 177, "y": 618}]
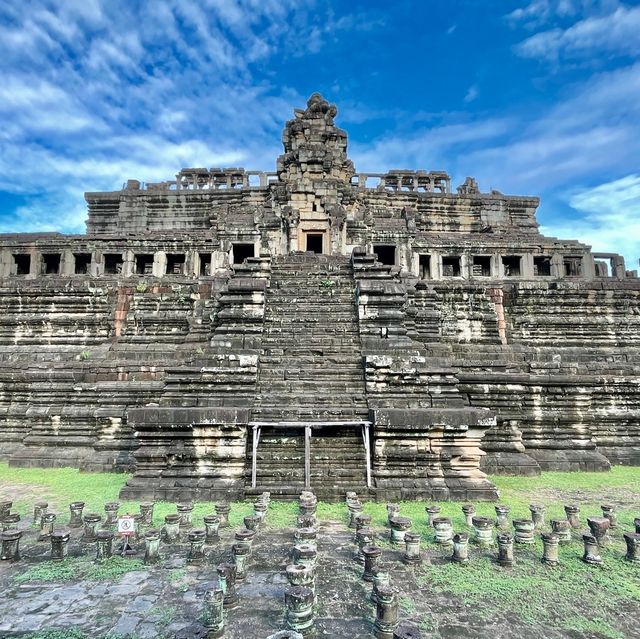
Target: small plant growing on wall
[
  {"x": 141, "y": 287},
  {"x": 85, "y": 355}
]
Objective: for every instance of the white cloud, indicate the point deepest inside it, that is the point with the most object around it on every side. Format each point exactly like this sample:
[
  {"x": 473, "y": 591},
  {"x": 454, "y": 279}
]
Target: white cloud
[
  {"x": 472, "y": 93},
  {"x": 610, "y": 218},
  {"x": 615, "y": 33}
]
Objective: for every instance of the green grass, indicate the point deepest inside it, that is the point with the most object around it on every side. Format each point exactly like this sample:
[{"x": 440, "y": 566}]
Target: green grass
[{"x": 77, "y": 569}]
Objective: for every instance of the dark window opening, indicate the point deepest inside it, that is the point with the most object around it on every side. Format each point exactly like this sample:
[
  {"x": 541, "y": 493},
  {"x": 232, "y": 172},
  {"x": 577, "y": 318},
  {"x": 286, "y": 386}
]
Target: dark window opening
[
  {"x": 113, "y": 264},
  {"x": 144, "y": 264},
  {"x": 23, "y": 264},
  {"x": 175, "y": 263},
  {"x": 573, "y": 266},
  {"x": 82, "y": 263},
  {"x": 51, "y": 263},
  {"x": 451, "y": 266},
  {"x": 511, "y": 264},
  {"x": 425, "y": 267},
  {"x": 205, "y": 263},
  {"x": 314, "y": 242},
  {"x": 242, "y": 251},
  {"x": 385, "y": 253},
  {"x": 481, "y": 266},
  {"x": 541, "y": 266}
]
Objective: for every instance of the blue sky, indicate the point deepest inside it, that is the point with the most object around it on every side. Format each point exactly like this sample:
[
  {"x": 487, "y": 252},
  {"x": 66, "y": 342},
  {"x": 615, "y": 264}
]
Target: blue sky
[{"x": 538, "y": 97}]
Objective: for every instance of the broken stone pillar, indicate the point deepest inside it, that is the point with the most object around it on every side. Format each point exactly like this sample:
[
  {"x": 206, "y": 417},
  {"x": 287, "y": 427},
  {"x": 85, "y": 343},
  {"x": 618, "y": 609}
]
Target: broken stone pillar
[
  {"x": 300, "y": 575},
  {"x": 5, "y": 508},
  {"x": 75, "y": 519},
  {"x": 240, "y": 553},
  {"x": 227, "y": 579},
  {"x": 306, "y": 521},
  {"x": 502, "y": 516},
  {"x": 599, "y": 527},
  {"x": 573, "y": 515},
  {"x": 407, "y": 630},
  {"x": 211, "y": 526},
  {"x": 372, "y": 556},
  {"x": 104, "y": 545},
  {"x": 399, "y": 526},
  {"x": 380, "y": 578},
  {"x": 245, "y": 536},
  {"x": 609, "y": 512},
  {"x": 308, "y": 505},
  {"x": 483, "y": 531},
  {"x": 591, "y": 550},
  {"x": 39, "y": 509},
  {"x": 468, "y": 510},
  {"x": 386, "y": 613},
  {"x": 305, "y": 535},
  {"x": 91, "y": 522},
  {"x": 171, "y": 528},
  {"x": 460, "y": 548},
  {"x": 252, "y": 522},
  {"x": 214, "y": 612},
  {"x": 222, "y": 510},
  {"x": 299, "y": 609},
  {"x": 393, "y": 510},
  {"x": 146, "y": 512},
  {"x": 432, "y": 513},
  {"x": 111, "y": 511},
  {"x": 355, "y": 508},
  {"x": 537, "y": 515},
  {"x": 59, "y": 544},
  {"x": 46, "y": 526},
  {"x": 524, "y": 530},
  {"x": 305, "y": 555},
  {"x": 364, "y": 537},
  {"x": 9, "y": 521},
  {"x": 443, "y": 531},
  {"x": 551, "y": 543},
  {"x": 562, "y": 528},
  {"x": 351, "y": 496},
  {"x": 10, "y": 544},
  {"x": 260, "y": 509},
  {"x": 363, "y": 520},
  {"x": 412, "y": 548},
  {"x": 152, "y": 546},
  {"x": 633, "y": 546},
  {"x": 505, "y": 549},
  {"x": 186, "y": 516},
  {"x": 636, "y": 523},
  {"x": 196, "y": 539}
]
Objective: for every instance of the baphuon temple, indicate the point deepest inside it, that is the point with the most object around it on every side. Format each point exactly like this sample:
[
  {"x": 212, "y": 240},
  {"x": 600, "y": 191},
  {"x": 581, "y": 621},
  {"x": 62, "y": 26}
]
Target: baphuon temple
[{"x": 229, "y": 332}]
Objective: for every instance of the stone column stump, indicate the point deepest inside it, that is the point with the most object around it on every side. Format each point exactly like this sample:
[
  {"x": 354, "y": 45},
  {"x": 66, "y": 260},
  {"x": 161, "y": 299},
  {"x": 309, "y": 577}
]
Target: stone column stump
[
  {"x": 10, "y": 544},
  {"x": 227, "y": 579},
  {"x": 460, "y": 548},
  {"x": 104, "y": 545},
  {"x": 591, "y": 550},
  {"x": 386, "y": 613},
  {"x": 46, "y": 526},
  {"x": 186, "y": 516},
  {"x": 562, "y": 528},
  {"x": 432, "y": 513},
  {"x": 75, "y": 518},
  {"x": 537, "y": 515},
  {"x": 551, "y": 543},
  {"x": 39, "y": 509},
  {"x": 609, "y": 512},
  {"x": 91, "y": 523},
  {"x": 633, "y": 547},
  {"x": 443, "y": 531},
  {"x": 240, "y": 553},
  {"x": 222, "y": 510},
  {"x": 111, "y": 513},
  {"x": 146, "y": 512},
  {"x": 214, "y": 612},
  {"x": 211, "y": 526},
  {"x": 412, "y": 554},
  {"x": 468, "y": 510},
  {"x": 59, "y": 544},
  {"x": 399, "y": 527},
  {"x": 573, "y": 515},
  {"x": 505, "y": 550},
  {"x": 483, "y": 531},
  {"x": 502, "y": 516},
  {"x": 299, "y": 609},
  {"x": 196, "y": 539},
  {"x": 372, "y": 556},
  {"x": 599, "y": 527},
  {"x": 152, "y": 546},
  {"x": 524, "y": 531}
]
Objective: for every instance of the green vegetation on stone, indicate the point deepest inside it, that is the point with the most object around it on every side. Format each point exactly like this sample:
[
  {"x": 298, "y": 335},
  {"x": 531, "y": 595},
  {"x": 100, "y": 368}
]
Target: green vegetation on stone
[{"x": 79, "y": 568}]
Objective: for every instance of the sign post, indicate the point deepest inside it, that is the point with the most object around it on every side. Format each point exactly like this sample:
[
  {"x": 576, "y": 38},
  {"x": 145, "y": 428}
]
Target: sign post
[{"x": 126, "y": 528}]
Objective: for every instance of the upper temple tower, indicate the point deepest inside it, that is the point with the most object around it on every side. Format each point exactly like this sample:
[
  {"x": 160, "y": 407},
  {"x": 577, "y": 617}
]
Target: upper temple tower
[{"x": 315, "y": 174}]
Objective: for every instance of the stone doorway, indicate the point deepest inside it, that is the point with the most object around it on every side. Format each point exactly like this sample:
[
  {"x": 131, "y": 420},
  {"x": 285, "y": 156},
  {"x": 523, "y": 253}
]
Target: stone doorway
[{"x": 314, "y": 242}]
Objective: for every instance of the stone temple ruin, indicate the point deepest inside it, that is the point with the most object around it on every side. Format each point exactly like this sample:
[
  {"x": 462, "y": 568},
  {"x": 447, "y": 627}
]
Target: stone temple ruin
[{"x": 230, "y": 332}]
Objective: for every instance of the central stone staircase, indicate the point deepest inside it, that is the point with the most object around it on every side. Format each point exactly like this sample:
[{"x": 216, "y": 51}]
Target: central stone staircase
[{"x": 310, "y": 373}]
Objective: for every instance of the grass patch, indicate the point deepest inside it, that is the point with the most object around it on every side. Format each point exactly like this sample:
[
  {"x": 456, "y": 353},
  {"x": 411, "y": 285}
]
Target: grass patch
[{"x": 77, "y": 569}]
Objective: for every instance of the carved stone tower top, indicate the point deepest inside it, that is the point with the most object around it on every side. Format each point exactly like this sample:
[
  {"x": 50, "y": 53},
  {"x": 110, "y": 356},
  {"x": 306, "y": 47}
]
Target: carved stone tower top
[{"x": 315, "y": 149}]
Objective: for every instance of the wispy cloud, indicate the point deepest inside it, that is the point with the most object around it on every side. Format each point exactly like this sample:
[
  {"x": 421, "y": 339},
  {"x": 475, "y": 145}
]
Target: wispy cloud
[
  {"x": 614, "y": 33},
  {"x": 610, "y": 217}
]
